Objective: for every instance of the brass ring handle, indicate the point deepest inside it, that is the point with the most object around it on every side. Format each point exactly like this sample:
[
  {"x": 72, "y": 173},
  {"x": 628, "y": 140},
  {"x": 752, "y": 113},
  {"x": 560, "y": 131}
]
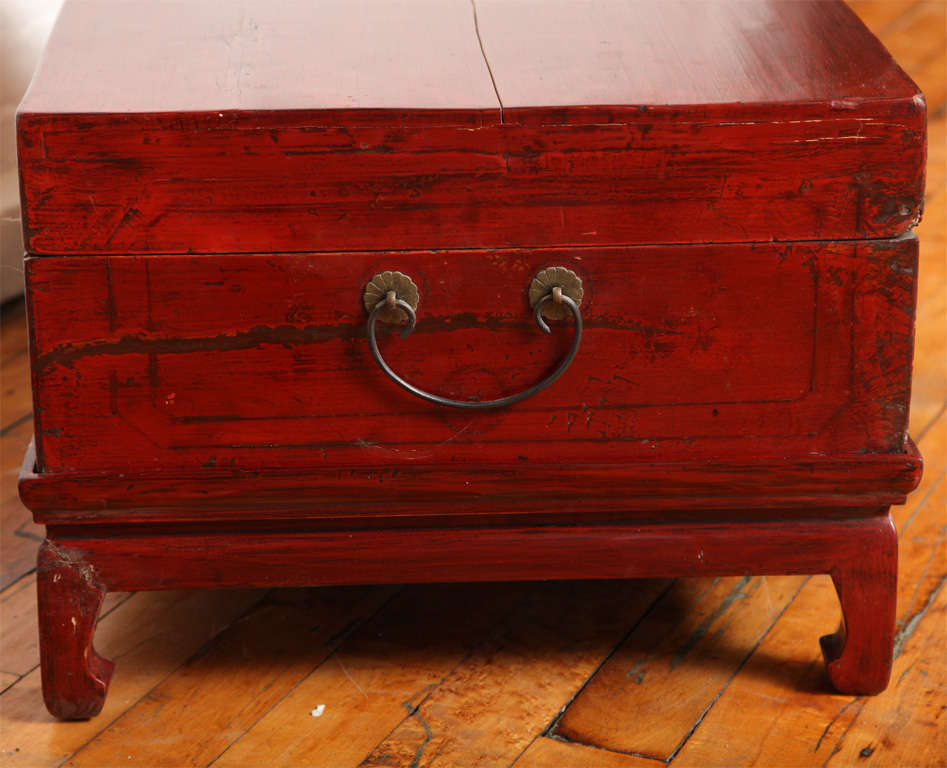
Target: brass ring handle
[{"x": 391, "y": 301}]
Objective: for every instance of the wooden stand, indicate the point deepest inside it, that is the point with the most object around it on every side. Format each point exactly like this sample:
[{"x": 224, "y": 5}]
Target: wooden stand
[
  {"x": 75, "y": 572},
  {"x": 117, "y": 532}
]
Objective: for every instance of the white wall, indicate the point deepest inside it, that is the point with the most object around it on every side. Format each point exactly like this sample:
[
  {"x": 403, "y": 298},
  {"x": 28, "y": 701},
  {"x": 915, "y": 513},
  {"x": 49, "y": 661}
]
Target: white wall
[{"x": 24, "y": 26}]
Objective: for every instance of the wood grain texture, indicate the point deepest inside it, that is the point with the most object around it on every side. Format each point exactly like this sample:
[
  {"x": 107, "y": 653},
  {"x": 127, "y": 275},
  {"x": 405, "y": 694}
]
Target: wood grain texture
[
  {"x": 337, "y": 56},
  {"x": 673, "y": 654},
  {"x": 859, "y": 654},
  {"x": 410, "y": 712},
  {"x": 566, "y": 54},
  {"x": 284, "y": 558},
  {"x": 428, "y": 629},
  {"x": 653, "y": 141},
  {"x": 253, "y": 665},
  {"x": 788, "y": 728},
  {"x": 261, "y": 361},
  {"x": 545, "y": 752},
  {"x": 378, "y": 56},
  {"x": 394, "y": 495},
  {"x": 929, "y": 383},
  {"x": 170, "y": 184},
  {"x": 19, "y": 652},
  {"x": 511, "y": 662}
]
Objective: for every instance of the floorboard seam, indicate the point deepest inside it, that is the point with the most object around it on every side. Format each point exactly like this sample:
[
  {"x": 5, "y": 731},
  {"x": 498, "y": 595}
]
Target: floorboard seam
[
  {"x": 639, "y": 755},
  {"x": 736, "y": 672},
  {"x": 16, "y": 423},
  {"x": 28, "y": 535},
  {"x": 838, "y": 744},
  {"x": 835, "y": 717},
  {"x": 552, "y": 729},
  {"x": 16, "y": 581},
  {"x": 7, "y": 688},
  {"x": 911, "y": 625}
]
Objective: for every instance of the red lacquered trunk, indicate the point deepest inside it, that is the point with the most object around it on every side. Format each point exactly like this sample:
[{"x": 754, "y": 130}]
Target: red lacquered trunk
[{"x": 709, "y": 205}]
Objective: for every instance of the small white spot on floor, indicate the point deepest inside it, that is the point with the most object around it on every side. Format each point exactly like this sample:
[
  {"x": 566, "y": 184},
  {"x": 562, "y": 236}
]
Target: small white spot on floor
[{"x": 317, "y": 712}]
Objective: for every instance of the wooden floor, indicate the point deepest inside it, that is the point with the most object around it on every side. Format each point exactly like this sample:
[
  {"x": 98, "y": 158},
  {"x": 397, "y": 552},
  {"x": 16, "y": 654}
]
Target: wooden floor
[{"x": 701, "y": 672}]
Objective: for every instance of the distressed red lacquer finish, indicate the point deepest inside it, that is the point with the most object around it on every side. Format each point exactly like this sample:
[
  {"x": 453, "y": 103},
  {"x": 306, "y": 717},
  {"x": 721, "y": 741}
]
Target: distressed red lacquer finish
[
  {"x": 412, "y": 492},
  {"x": 732, "y": 183},
  {"x": 743, "y": 349},
  {"x": 337, "y": 126}
]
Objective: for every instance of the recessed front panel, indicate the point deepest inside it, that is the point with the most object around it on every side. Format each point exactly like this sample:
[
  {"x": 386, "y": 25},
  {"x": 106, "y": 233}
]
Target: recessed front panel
[{"x": 263, "y": 360}]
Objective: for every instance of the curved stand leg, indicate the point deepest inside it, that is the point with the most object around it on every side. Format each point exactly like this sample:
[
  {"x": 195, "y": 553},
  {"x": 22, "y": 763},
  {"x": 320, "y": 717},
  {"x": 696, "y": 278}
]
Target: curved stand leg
[
  {"x": 859, "y": 655},
  {"x": 75, "y": 677}
]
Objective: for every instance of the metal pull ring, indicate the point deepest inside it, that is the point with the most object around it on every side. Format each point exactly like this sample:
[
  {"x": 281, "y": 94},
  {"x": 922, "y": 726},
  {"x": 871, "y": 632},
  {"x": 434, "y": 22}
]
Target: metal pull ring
[{"x": 391, "y": 301}]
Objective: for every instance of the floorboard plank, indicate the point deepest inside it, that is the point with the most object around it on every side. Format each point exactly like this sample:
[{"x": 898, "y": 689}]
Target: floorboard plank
[
  {"x": 776, "y": 710},
  {"x": 17, "y": 396},
  {"x": 648, "y": 696},
  {"x": 217, "y": 696},
  {"x": 490, "y": 708},
  {"x": 929, "y": 388},
  {"x": 933, "y": 250},
  {"x": 376, "y": 679},
  {"x": 150, "y": 635}
]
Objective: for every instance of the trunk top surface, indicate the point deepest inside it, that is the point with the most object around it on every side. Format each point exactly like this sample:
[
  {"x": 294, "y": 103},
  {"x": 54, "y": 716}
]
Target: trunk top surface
[
  {"x": 205, "y": 126},
  {"x": 458, "y": 61}
]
